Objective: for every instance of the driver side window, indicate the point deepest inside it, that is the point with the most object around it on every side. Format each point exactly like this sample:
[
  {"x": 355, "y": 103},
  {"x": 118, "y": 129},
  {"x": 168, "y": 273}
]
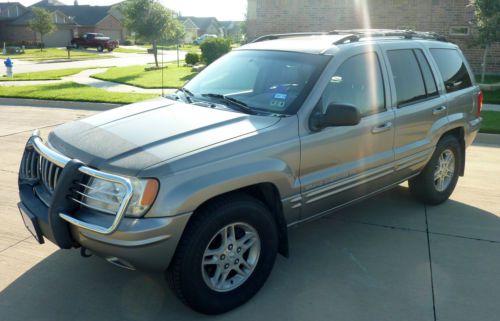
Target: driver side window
[{"x": 358, "y": 82}]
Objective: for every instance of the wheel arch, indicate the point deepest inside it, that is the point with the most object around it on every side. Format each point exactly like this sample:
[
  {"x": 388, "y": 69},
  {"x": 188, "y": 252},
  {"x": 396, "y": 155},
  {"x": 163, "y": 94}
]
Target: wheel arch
[
  {"x": 459, "y": 134},
  {"x": 269, "y": 195}
]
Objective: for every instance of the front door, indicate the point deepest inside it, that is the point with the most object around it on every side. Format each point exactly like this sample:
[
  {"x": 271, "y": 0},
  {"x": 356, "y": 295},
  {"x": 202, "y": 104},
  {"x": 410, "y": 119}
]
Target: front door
[{"x": 340, "y": 164}]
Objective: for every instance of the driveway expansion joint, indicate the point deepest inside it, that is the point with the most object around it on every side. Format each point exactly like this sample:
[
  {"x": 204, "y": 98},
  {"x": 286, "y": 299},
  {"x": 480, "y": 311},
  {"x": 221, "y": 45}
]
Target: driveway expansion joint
[{"x": 430, "y": 263}]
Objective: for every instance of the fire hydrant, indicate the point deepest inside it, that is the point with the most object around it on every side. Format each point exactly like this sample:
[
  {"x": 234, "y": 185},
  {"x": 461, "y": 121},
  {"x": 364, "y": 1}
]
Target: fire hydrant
[{"x": 8, "y": 65}]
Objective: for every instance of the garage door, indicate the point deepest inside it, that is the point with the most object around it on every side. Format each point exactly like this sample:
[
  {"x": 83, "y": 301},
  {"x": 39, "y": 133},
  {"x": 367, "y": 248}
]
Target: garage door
[
  {"x": 59, "y": 38},
  {"x": 113, "y": 34}
]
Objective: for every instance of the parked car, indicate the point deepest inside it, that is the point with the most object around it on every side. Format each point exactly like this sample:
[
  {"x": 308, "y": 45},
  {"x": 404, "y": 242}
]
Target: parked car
[
  {"x": 202, "y": 38},
  {"x": 204, "y": 184},
  {"x": 94, "y": 40}
]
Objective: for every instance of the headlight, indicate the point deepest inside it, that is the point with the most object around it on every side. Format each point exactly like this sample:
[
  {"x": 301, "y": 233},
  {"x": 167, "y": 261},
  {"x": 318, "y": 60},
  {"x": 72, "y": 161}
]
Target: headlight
[{"x": 106, "y": 196}]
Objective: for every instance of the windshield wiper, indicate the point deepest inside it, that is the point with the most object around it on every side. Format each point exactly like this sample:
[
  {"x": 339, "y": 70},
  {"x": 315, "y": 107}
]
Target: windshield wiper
[
  {"x": 235, "y": 102},
  {"x": 188, "y": 94}
]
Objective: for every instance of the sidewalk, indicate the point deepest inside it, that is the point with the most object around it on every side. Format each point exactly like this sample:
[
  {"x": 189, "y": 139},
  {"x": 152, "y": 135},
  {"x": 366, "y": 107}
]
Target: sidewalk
[{"x": 491, "y": 107}]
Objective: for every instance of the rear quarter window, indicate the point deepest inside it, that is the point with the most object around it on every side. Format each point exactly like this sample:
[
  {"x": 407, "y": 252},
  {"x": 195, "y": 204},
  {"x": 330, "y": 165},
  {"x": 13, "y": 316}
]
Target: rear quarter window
[{"x": 452, "y": 68}]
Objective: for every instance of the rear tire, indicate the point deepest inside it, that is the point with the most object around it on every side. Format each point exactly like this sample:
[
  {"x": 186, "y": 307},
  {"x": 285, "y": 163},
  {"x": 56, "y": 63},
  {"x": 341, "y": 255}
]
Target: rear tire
[
  {"x": 437, "y": 181},
  {"x": 194, "y": 271}
]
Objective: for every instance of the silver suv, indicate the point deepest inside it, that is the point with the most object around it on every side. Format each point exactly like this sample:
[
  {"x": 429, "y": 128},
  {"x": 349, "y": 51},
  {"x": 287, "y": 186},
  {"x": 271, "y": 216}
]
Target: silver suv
[{"x": 204, "y": 184}]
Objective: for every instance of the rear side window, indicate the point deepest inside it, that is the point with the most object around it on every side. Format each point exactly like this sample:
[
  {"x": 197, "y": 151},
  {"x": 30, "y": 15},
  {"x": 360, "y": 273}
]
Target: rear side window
[
  {"x": 452, "y": 68},
  {"x": 407, "y": 76},
  {"x": 430, "y": 82}
]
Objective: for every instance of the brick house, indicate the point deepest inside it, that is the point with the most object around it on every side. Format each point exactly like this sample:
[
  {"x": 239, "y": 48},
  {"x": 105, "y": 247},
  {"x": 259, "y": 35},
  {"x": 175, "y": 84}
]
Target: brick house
[
  {"x": 71, "y": 21},
  {"x": 451, "y": 18},
  {"x": 197, "y": 26}
]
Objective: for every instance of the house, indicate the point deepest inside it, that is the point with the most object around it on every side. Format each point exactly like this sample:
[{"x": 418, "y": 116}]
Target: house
[
  {"x": 232, "y": 30},
  {"x": 197, "y": 26},
  {"x": 451, "y": 18},
  {"x": 70, "y": 20}
]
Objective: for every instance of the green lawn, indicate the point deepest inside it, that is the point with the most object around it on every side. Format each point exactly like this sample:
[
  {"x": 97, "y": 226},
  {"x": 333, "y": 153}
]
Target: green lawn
[
  {"x": 173, "y": 76},
  {"x": 71, "y": 91},
  {"x": 491, "y": 122},
  {"x": 491, "y": 97},
  {"x": 54, "y": 53},
  {"x": 44, "y": 75},
  {"x": 489, "y": 79}
]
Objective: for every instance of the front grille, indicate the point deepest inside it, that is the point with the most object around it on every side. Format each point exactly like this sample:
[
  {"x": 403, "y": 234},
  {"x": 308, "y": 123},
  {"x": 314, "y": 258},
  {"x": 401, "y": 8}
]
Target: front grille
[
  {"x": 48, "y": 174},
  {"x": 35, "y": 167},
  {"x": 29, "y": 165}
]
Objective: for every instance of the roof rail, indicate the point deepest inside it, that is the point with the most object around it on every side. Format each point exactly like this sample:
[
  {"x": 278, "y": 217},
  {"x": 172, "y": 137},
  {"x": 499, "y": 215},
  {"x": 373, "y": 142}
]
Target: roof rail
[
  {"x": 353, "y": 35},
  {"x": 289, "y": 35},
  {"x": 356, "y": 34}
]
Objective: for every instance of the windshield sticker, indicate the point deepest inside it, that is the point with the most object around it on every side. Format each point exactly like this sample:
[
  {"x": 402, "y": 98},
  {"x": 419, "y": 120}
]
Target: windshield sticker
[{"x": 280, "y": 96}]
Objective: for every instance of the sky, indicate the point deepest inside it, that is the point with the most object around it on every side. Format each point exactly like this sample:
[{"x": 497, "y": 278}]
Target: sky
[{"x": 221, "y": 9}]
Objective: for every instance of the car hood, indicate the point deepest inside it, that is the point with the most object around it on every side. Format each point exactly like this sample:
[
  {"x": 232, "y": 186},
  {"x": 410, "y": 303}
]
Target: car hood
[{"x": 128, "y": 139}]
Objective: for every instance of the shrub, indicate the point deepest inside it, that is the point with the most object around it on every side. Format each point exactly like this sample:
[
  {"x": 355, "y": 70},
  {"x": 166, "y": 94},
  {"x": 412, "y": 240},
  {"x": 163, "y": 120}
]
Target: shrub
[
  {"x": 127, "y": 42},
  {"x": 214, "y": 48},
  {"x": 192, "y": 58}
]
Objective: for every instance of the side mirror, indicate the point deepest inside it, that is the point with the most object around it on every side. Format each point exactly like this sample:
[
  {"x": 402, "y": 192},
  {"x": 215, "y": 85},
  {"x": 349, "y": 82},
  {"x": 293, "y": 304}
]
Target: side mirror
[{"x": 336, "y": 115}]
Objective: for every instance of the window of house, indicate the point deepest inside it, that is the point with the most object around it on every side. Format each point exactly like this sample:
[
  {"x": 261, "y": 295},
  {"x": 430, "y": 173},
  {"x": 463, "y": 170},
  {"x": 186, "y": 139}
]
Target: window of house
[
  {"x": 459, "y": 31},
  {"x": 410, "y": 86},
  {"x": 358, "y": 82},
  {"x": 452, "y": 68}
]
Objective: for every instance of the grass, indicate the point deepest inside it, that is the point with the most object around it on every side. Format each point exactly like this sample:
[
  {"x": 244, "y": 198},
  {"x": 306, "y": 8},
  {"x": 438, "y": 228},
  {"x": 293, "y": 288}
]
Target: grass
[
  {"x": 489, "y": 79},
  {"x": 55, "y": 53},
  {"x": 44, "y": 75},
  {"x": 491, "y": 122},
  {"x": 71, "y": 91},
  {"x": 491, "y": 97},
  {"x": 173, "y": 76}
]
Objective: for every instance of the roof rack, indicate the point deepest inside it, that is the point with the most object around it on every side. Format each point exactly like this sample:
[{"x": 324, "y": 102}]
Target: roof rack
[
  {"x": 356, "y": 34},
  {"x": 353, "y": 35},
  {"x": 289, "y": 35}
]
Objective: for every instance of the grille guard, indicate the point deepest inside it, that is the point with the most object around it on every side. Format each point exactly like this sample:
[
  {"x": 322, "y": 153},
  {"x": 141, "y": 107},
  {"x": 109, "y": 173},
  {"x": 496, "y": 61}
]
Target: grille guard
[{"x": 37, "y": 143}]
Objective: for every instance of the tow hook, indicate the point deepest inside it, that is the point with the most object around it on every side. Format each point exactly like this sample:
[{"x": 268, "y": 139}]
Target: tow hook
[{"x": 85, "y": 252}]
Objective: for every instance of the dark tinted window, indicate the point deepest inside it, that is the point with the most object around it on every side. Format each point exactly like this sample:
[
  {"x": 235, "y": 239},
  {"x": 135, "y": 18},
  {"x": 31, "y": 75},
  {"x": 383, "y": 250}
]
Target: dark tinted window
[
  {"x": 430, "y": 83},
  {"x": 407, "y": 76},
  {"x": 358, "y": 81},
  {"x": 452, "y": 68}
]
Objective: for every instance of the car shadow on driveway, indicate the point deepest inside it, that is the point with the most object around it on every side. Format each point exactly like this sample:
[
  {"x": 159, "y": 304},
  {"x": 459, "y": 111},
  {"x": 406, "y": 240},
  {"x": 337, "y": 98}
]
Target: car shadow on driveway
[{"x": 366, "y": 262}]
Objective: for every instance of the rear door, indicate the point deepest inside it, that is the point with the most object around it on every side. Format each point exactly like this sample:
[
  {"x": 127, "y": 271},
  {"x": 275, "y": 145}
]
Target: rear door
[
  {"x": 419, "y": 106},
  {"x": 454, "y": 75}
]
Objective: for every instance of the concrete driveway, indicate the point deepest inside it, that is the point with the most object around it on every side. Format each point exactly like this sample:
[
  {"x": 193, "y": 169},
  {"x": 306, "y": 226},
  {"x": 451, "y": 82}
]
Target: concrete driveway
[{"x": 388, "y": 258}]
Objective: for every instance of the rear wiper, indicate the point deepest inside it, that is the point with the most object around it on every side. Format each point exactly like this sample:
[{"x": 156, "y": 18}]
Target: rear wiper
[
  {"x": 188, "y": 94},
  {"x": 238, "y": 103}
]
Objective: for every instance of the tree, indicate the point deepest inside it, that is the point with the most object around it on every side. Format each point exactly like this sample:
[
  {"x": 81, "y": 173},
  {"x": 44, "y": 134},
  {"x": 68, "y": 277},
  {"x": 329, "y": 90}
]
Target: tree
[
  {"x": 41, "y": 23},
  {"x": 487, "y": 16},
  {"x": 151, "y": 21}
]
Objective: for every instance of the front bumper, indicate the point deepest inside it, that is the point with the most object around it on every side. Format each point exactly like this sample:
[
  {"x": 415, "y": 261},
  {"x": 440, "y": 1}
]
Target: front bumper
[{"x": 135, "y": 243}]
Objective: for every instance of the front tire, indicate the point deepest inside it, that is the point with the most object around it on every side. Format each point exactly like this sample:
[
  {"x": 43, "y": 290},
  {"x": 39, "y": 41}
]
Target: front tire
[
  {"x": 100, "y": 48},
  {"x": 437, "y": 181},
  {"x": 225, "y": 255}
]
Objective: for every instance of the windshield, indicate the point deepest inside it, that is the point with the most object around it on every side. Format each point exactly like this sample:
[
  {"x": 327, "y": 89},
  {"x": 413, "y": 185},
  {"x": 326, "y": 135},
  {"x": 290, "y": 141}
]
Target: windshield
[{"x": 268, "y": 81}]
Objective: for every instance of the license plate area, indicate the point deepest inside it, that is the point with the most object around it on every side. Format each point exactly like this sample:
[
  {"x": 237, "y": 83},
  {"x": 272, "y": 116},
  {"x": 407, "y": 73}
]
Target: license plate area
[{"x": 31, "y": 223}]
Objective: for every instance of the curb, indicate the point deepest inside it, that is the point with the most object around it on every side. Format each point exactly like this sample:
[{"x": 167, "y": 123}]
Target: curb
[
  {"x": 57, "y": 104},
  {"x": 487, "y": 139}
]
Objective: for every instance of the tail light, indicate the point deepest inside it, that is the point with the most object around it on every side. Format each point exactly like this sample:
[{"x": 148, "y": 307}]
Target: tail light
[{"x": 479, "y": 103}]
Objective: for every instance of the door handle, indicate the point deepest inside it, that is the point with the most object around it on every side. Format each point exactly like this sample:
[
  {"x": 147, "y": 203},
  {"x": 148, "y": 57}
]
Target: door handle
[
  {"x": 382, "y": 128},
  {"x": 439, "y": 110}
]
